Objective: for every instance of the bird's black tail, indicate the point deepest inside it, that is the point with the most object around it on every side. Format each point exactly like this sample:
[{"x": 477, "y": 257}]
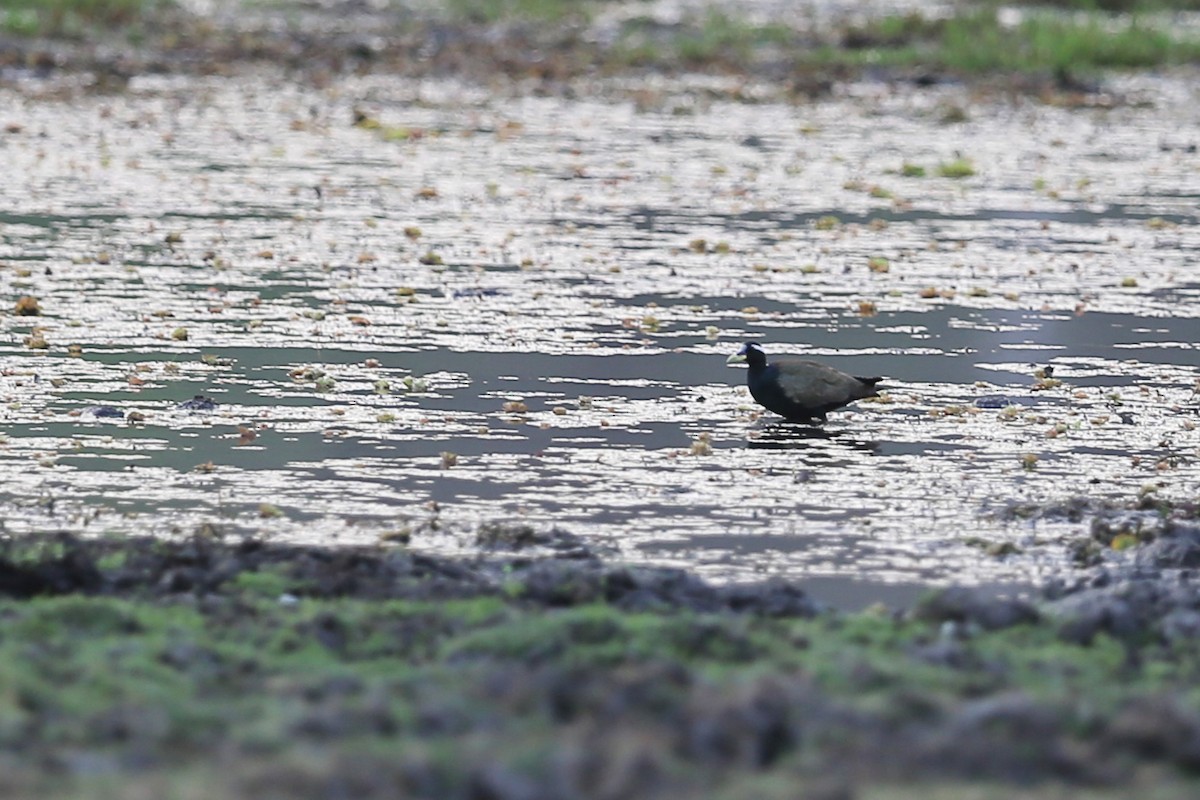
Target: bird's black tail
[{"x": 869, "y": 383}]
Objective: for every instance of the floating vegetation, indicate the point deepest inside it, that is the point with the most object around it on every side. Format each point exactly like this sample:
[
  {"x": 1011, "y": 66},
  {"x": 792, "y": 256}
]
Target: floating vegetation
[
  {"x": 958, "y": 168},
  {"x": 309, "y": 373},
  {"x": 1043, "y": 383},
  {"x": 27, "y": 306},
  {"x": 412, "y": 384},
  {"x": 269, "y": 511},
  {"x": 198, "y": 403}
]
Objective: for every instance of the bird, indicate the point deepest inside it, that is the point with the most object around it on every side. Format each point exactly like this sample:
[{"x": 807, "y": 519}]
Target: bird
[{"x": 801, "y": 391}]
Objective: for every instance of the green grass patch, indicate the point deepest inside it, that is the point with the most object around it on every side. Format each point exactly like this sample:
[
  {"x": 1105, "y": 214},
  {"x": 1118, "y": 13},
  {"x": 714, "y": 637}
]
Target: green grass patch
[
  {"x": 1115, "y": 6},
  {"x": 721, "y": 36},
  {"x": 74, "y": 17},
  {"x": 714, "y": 37},
  {"x": 976, "y": 41},
  {"x": 972, "y": 41},
  {"x": 599, "y": 635},
  {"x": 493, "y": 11},
  {"x": 268, "y": 583}
]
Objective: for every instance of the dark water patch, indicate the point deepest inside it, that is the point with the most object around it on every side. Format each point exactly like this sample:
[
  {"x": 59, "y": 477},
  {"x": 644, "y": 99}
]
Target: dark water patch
[
  {"x": 855, "y": 595},
  {"x": 231, "y": 212},
  {"x": 60, "y": 221},
  {"x": 919, "y": 448},
  {"x": 660, "y": 221}
]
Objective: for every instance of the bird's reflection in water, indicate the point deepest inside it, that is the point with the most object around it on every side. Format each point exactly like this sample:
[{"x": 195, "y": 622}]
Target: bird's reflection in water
[{"x": 802, "y": 436}]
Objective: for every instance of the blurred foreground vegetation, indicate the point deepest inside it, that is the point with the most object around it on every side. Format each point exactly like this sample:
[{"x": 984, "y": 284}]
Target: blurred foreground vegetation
[{"x": 197, "y": 668}]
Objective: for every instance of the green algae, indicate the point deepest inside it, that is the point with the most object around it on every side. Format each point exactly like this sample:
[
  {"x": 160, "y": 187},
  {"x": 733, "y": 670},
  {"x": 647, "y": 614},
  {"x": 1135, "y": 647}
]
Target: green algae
[
  {"x": 283, "y": 675},
  {"x": 978, "y": 40}
]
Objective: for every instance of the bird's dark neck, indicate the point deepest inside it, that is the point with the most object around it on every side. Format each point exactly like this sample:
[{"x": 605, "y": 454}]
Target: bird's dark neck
[{"x": 756, "y": 360}]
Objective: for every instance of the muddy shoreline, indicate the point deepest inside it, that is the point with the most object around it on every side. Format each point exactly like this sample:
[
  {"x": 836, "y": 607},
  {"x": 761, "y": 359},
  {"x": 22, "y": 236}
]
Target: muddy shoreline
[
  {"x": 567, "y": 53},
  {"x": 319, "y": 44},
  {"x": 528, "y": 671}
]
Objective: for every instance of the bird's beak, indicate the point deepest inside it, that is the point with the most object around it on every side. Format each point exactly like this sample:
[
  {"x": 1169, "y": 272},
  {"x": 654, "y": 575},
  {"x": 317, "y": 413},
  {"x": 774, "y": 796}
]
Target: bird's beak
[{"x": 736, "y": 358}]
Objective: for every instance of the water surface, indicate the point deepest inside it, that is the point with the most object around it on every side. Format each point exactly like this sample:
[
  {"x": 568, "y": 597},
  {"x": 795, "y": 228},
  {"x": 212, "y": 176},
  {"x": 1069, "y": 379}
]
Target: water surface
[{"x": 560, "y": 283}]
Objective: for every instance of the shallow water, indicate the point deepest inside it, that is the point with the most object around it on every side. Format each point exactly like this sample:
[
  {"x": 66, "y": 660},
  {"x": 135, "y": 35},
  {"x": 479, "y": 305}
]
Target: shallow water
[{"x": 558, "y": 265}]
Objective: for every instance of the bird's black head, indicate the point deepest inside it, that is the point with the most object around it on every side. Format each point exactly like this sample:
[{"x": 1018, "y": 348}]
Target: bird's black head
[{"x": 751, "y": 353}]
